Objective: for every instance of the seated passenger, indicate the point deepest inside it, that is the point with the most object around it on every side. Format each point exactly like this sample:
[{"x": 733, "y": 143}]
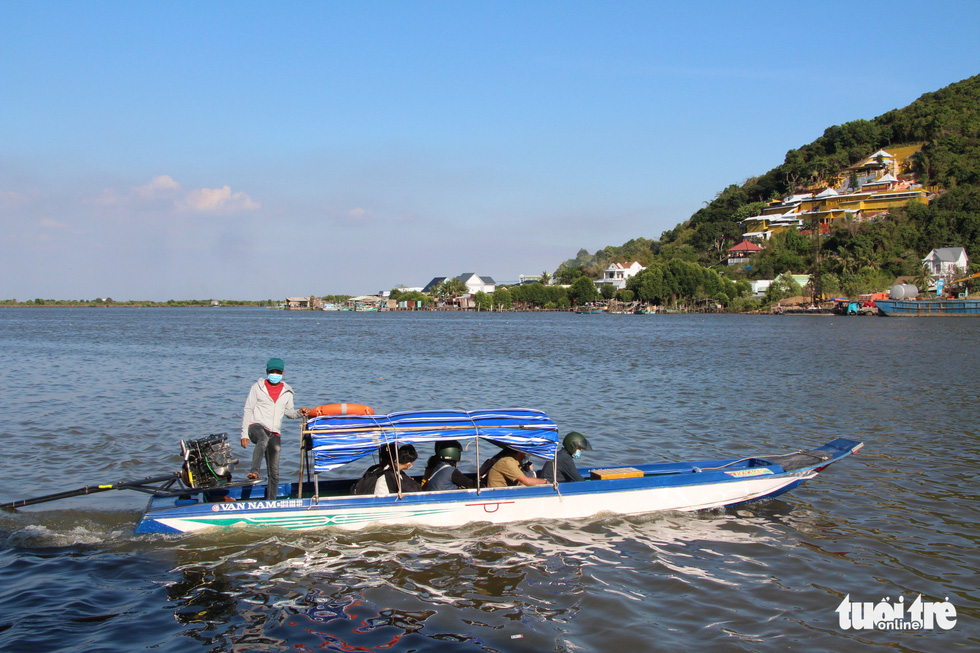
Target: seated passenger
[
  {"x": 365, "y": 484},
  {"x": 506, "y": 469},
  {"x": 381, "y": 479},
  {"x": 572, "y": 447},
  {"x": 441, "y": 472}
]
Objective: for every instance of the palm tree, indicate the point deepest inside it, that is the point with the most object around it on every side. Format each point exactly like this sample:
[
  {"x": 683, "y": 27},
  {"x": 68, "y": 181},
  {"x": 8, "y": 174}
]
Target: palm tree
[
  {"x": 451, "y": 288},
  {"x": 923, "y": 279}
]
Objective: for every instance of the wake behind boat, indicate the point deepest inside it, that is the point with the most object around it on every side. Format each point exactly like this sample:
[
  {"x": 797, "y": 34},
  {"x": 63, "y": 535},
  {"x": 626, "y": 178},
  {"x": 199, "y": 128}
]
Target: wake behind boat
[{"x": 202, "y": 495}]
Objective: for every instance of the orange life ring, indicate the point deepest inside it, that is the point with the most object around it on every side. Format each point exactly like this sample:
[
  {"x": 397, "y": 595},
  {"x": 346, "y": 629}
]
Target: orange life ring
[{"x": 340, "y": 409}]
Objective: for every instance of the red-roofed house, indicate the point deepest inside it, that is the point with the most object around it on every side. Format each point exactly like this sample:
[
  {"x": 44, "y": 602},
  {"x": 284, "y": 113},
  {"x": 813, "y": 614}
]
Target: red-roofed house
[{"x": 740, "y": 253}]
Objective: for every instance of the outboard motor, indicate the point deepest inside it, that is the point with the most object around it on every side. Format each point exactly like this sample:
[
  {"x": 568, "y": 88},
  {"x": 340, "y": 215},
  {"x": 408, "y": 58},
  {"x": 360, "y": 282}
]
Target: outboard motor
[{"x": 207, "y": 461}]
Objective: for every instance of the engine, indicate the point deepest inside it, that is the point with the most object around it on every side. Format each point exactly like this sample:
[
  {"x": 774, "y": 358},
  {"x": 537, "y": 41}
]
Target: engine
[{"x": 208, "y": 461}]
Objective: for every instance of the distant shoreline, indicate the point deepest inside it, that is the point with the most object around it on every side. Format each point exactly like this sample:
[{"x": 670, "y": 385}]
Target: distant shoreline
[
  {"x": 52, "y": 303},
  {"x": 273, "y": 306}
]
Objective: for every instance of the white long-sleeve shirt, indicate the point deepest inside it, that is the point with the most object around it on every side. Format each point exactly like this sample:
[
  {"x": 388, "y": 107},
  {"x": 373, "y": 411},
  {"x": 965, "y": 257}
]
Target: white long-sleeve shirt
[{"x": 261, "y": 409}]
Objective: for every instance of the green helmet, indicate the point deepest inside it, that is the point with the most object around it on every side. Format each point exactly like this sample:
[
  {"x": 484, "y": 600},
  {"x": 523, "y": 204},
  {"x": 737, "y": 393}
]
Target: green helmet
[
  {"x": 449, "y": 450},
  {"x": 575, "y": 441}
]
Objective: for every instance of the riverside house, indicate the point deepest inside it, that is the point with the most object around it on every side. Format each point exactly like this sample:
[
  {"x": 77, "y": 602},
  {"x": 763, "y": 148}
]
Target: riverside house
[
  {"x": 946, "y": 262},
  {"x": 301, "y": 303},
  {"x": 739, "y": 254},
  {"x": 617, "y": 274},
  {"x": 473, "y": 282}
]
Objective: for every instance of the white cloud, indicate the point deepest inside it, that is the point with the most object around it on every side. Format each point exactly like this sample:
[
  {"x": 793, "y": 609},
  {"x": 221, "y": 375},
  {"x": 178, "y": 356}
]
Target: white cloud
[
  {"x": 164, "y": 190},
  {"x": 161, "y": 186},
  {"x": 160, "y": 189},
  {"x": 212, "y": 200}
]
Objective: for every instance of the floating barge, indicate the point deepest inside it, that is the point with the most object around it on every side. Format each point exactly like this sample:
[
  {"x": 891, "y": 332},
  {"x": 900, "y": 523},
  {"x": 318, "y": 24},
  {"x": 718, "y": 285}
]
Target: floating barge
[{"x": 928, "y": 307}]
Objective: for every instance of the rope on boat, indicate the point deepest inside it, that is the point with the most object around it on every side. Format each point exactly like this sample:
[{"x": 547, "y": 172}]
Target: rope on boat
[{"x": 393, "y": 455}]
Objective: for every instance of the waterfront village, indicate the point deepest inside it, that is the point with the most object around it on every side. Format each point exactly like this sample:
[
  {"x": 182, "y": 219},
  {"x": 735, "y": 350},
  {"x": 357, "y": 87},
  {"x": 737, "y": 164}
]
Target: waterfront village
[{"x": 865, "y": 191}]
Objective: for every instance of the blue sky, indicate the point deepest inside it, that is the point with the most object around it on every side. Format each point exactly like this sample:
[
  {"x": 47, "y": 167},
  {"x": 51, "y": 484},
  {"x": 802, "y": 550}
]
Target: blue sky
[{"x": 247, "y": 150}]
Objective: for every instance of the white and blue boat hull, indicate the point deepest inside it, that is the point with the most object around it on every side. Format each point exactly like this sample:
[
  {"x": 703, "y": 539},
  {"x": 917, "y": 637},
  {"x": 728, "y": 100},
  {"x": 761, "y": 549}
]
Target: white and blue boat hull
[{"x": 690, "y": 486}]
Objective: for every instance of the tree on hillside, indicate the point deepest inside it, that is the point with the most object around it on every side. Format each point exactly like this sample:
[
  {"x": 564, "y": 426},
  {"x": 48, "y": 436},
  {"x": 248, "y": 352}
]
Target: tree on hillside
[{"x": 567, "y": 274}]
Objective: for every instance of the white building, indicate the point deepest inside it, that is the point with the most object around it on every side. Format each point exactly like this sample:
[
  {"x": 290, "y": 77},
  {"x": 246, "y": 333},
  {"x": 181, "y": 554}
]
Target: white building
[
  {"x": 475, "y": 283},
  {"x": 760, "y": 286},
  {"x": 617, "y": 274},
  {"x": 946, "y": 262}
]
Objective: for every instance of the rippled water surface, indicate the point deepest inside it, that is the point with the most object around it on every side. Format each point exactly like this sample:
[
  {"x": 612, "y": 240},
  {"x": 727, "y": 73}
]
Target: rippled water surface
[{"x": 93, "y": 395}]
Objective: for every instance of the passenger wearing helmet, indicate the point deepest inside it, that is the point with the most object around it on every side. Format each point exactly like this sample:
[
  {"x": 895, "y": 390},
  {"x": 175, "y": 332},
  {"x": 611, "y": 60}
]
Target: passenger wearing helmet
[
  {"x": 572, "y": 447},
  {"x": 441, "y": 472}
]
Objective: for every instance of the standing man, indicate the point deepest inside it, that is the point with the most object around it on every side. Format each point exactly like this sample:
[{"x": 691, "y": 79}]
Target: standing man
[{"x": 269, "y": 400}]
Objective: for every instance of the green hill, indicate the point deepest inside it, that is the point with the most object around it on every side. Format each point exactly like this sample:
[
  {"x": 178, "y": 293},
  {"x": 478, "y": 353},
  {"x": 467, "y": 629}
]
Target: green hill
[{"x": 854, "y": 256}]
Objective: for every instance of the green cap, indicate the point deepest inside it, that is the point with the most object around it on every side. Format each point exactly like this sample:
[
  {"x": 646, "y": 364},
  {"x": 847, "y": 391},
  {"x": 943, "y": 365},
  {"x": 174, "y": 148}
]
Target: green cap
[{"x": 275, "y": 364}]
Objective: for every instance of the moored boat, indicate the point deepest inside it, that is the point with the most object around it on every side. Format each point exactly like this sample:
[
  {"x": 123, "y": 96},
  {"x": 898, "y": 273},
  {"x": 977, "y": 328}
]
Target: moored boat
[{"x": 928, "y": 307}]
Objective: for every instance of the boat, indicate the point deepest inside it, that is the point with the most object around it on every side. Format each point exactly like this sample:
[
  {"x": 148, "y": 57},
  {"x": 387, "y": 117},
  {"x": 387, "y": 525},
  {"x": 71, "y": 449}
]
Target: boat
[
  {"x": 863, "y": 306},
  {"x": 333, "y": 441},
  {"x": 203, "y": 496},
  {"x": 928, "y": 307},
  {"x": 845, "y": 306}
]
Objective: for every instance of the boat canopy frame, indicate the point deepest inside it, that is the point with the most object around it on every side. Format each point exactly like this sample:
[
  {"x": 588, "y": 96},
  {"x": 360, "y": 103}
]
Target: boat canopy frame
[{"x": 338, "y": 440}]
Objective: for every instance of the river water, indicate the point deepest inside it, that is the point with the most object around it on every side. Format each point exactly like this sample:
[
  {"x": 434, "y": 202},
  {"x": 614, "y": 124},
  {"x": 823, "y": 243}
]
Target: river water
[{"x": 101, "y": 395}]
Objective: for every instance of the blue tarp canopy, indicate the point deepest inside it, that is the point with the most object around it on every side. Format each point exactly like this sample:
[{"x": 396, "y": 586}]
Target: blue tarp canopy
[{"x": 341, "y": 439}]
